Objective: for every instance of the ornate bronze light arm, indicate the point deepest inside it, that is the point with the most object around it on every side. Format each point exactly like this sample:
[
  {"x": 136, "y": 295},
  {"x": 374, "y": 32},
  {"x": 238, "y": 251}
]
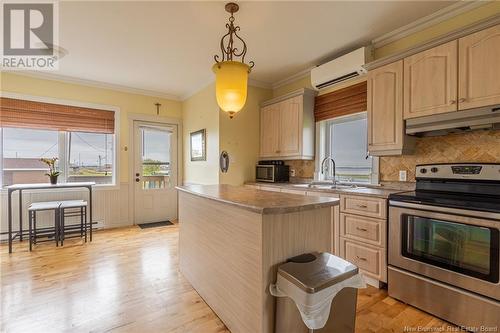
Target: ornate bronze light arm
[{"x": 227, "y": 41}]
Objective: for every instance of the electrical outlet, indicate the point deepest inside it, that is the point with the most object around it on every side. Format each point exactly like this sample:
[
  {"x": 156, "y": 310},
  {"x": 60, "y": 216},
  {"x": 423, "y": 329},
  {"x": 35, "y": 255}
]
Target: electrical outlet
[
  {"x": 292, "y": 172},
  {"x": 402, "y": 175}
]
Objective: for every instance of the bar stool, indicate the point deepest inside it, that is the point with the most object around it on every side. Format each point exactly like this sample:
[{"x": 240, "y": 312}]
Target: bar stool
[
  {"x": 43, "y": 206},
  {"x": 77, "y": 208}
]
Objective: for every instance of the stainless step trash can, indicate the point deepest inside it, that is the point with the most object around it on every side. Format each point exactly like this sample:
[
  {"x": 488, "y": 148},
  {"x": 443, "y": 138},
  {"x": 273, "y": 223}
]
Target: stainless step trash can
[{"x": 316, "y": 292}]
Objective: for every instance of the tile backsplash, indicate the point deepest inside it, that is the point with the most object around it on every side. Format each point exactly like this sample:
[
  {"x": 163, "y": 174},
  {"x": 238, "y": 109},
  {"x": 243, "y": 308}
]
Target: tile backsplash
[
  {"x": 476, "y": 146},
  {"x": 303, "y": 169}
]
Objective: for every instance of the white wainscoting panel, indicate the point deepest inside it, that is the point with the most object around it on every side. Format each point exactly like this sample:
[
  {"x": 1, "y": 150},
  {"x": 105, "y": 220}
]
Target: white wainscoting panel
[{"x": 110, "y": 206}]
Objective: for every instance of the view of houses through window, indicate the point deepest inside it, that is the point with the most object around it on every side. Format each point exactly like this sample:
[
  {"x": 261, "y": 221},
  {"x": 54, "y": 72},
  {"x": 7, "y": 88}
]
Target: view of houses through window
[{"x": 81, "y": 156}]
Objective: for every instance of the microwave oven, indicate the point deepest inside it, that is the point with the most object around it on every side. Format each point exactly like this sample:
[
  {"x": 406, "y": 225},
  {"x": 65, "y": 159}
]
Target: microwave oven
[{"x": 272, "y": 173}]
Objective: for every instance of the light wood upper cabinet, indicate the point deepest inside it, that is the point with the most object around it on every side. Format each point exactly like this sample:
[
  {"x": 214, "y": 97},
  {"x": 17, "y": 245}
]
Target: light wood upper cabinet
[
  {"x": 269, "y": 121},
  {"x": 287, "y": 126},
  {"x": 430, "y": 81},
  {"x": 290, "y": 126},
  {"x": 479, "y": 69},
  {"x": 385, "y": 111}
]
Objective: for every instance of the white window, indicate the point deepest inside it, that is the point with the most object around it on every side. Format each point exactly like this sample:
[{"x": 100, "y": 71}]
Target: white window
[
  {"x": 90, "y": 157},
  {"x": 22, "y": 150},
  {"x": 346, "y": 143},
  {"x": 82, "y": 157}
]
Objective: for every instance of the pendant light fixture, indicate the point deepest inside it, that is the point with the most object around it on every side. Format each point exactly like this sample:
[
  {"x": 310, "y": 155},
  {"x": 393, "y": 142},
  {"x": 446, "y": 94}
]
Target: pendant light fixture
[{"x": 231, "y": 75}]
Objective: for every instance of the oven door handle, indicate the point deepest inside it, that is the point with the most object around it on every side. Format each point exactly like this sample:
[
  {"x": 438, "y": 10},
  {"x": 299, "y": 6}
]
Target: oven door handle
[{"x": 446, "y": 210}]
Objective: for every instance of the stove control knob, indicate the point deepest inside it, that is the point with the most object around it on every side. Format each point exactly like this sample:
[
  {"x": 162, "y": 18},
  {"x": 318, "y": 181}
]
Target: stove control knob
[
  {"x": 434, "y": 169},
  {"x": 423, "y": 170}
]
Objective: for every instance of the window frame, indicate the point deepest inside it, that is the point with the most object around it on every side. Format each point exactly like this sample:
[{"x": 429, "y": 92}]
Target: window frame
[
  {"x": 323, "y": 147},
  {"x": 64, "y": 135}
]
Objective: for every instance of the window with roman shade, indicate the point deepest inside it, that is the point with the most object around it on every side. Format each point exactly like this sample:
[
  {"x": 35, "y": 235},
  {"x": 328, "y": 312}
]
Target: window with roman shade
[
  {"x": 341, "y": 102},
  {"x": 342, "y": 124},
  {"x": 30, "y": 114},
  {"x": 81, "y": 138}
]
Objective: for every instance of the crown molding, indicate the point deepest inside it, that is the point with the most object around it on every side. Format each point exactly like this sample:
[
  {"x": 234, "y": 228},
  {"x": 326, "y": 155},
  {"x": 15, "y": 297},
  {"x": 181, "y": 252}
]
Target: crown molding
[
  {"x": 428, "y": 21},
  {"x": 96, "y": 84},
  {"x": 452, "y": 35},
  {"x": 260, "y": 84},
  {"x": 292, "y": 78}
]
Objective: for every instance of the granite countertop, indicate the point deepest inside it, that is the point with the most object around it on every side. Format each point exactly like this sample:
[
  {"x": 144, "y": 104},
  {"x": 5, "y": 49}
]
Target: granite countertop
[
  {"x": 372, "y": 191},
  {"x": 262, "y": 202}
]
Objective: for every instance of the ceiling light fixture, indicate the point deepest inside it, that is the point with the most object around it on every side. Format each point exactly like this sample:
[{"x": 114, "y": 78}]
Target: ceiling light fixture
[{"x": 231, "y": 76}]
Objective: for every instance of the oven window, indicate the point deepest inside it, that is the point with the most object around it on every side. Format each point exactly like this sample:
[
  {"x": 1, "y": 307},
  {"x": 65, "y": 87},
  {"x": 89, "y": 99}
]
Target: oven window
[{"x": 467, "y": 249}]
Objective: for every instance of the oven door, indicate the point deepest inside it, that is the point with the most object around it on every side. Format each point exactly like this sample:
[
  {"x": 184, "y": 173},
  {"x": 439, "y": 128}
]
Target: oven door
[
  {"x": 265, "y": 173},
  {"x": 455, "y": 246}
]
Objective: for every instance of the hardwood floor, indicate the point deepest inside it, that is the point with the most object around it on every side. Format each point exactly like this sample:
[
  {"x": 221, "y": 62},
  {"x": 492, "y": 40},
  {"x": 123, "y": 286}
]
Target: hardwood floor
[{"x": 127, "y": 280}]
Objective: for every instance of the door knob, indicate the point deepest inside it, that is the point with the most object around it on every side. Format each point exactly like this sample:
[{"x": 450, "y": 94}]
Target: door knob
[
  {"x": 137, "y": 180},
  {"x": 137, "y": 174}
]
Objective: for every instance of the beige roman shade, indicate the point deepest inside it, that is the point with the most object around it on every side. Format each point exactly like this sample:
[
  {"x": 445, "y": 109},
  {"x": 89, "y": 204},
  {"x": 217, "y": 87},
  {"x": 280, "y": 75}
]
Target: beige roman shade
[
  {"x": 30, "y": 114},
  {"x": 341, "y": 102}
]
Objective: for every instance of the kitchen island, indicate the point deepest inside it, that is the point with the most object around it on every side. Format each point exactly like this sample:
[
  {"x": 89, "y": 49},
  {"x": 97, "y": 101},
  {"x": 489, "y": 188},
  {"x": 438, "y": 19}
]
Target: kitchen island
[{"x": 232, "y": 239}]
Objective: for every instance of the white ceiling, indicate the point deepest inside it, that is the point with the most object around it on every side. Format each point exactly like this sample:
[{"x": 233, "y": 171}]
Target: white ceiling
[{"x": 168, "y": 47}]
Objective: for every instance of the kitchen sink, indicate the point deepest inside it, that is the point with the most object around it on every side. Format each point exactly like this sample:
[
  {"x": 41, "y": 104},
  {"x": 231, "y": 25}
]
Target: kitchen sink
[{"x": 323, "y": 186}]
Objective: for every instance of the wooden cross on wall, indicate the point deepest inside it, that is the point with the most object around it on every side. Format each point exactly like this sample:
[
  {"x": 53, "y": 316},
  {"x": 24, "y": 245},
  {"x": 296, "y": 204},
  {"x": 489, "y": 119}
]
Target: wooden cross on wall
[{"x": 157, "y": 108}]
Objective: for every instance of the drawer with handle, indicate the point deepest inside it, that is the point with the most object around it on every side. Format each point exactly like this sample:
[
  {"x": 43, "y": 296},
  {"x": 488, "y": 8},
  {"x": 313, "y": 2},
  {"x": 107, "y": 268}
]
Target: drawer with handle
[
  {"x": 370, "y": 259},
  {"x": 364, "y": 229},
  {"x": 366, "y": 206}
]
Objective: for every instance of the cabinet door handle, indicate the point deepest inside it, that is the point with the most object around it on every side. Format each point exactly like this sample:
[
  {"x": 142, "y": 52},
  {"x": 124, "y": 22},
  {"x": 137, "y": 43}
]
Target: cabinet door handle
[
  {"x": 453, "y": 101},
  {"x": 461, "y": 100},
  {"x": 361, "y": 258},
  {"x": 361, "y": 229}
]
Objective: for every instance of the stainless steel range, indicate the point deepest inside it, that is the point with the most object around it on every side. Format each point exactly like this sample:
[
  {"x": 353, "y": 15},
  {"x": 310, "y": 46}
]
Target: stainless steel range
[{"x": 444, "y": 244}]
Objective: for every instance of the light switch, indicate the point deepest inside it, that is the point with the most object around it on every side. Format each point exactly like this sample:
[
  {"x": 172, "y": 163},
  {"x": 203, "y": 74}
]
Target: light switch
[
  {"x": 402, "y": 175},
  {"x": 292, "y": 172}
]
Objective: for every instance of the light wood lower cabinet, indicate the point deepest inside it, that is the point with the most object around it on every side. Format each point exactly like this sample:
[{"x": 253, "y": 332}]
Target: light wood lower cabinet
[
  {"x": 364, "y": 229},
  {"x": 363, "y": 235},
  {"x": 370, "y": 259},
  {"x": 366, "y": 206}
]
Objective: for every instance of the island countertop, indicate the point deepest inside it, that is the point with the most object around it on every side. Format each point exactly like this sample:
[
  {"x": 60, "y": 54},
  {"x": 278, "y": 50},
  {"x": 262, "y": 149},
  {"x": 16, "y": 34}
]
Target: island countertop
[{"x": 258, "y": 201}]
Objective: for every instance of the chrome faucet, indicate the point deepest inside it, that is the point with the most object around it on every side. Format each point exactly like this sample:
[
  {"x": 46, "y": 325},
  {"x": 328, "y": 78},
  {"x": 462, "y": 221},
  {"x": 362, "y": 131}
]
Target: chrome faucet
[{"x": 327, "y": 159}]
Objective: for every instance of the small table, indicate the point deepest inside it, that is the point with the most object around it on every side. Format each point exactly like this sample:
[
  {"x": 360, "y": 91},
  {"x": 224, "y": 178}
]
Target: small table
[{"x": 23, "y": 187}]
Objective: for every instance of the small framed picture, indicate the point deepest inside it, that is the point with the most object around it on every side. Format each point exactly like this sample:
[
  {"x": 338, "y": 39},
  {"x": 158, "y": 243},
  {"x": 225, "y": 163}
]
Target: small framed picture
[{"x": 197, "y": 145}]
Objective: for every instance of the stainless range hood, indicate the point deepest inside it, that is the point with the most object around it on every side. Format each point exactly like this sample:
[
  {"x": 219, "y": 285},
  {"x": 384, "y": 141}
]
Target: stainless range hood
[{"x": 453, "y": 122}]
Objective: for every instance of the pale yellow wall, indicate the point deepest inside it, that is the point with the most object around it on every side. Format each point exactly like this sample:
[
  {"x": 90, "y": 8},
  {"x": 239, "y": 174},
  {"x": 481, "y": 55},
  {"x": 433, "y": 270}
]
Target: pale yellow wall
[
  {"x": 240, "y": 138},
  {"x": 127, "y": 102},
  {"x": 460, "y": 21},
  {"x": 198, "y": 112},
  {"x": 304, "y": 82}
]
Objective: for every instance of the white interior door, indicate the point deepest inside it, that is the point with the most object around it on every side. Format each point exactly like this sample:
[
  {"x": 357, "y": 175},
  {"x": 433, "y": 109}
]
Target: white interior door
[{"x": 155, "y": 172}]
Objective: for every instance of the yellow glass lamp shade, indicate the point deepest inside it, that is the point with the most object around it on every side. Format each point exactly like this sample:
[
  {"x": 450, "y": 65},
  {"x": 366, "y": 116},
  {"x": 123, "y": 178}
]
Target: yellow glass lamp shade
[{"x": 231, "y": 81}]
